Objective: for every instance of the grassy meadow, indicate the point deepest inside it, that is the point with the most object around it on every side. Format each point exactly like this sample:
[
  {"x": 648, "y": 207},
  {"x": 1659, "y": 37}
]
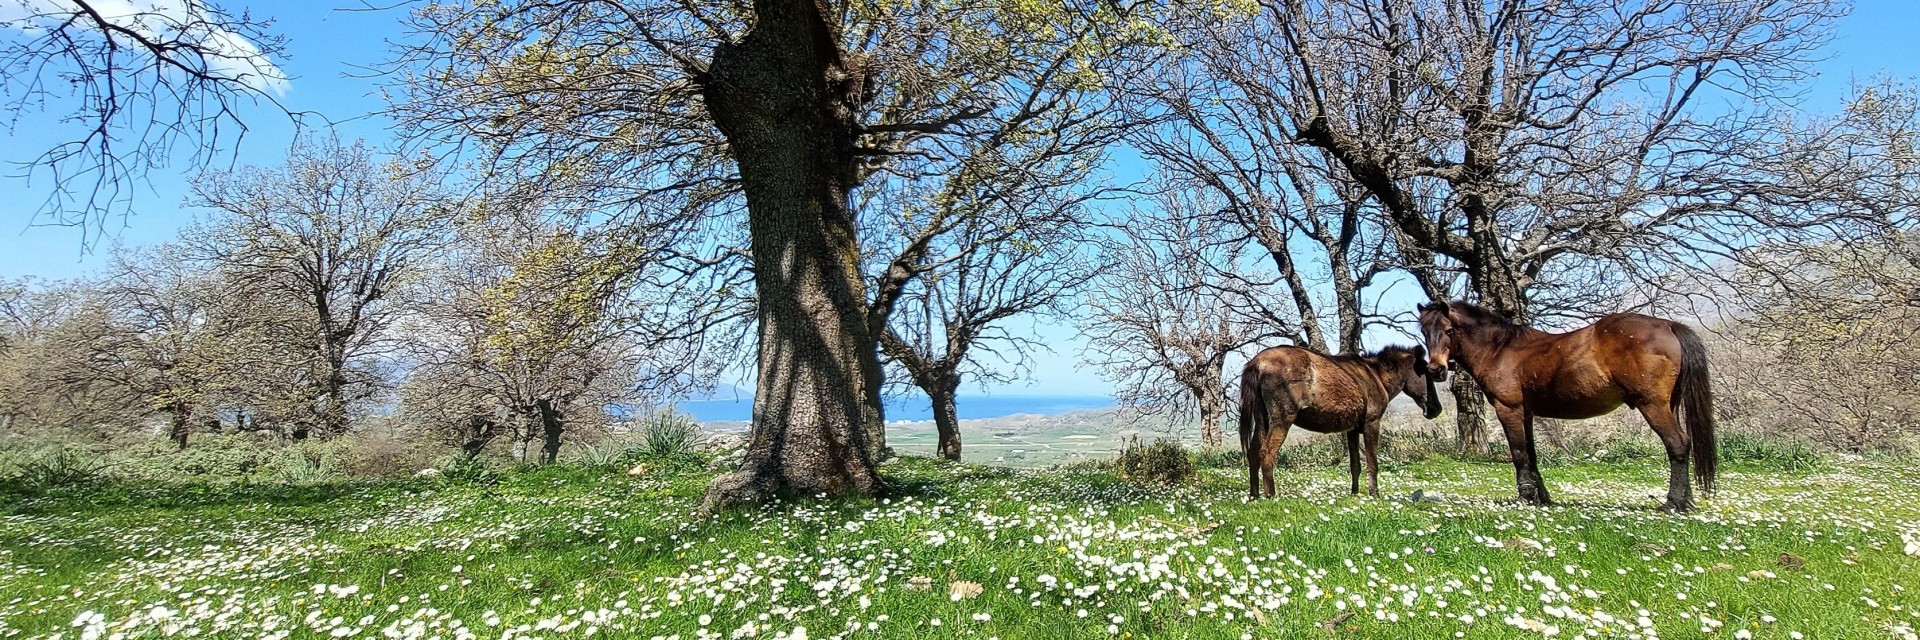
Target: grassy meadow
[{"x": 581, "y": 550}]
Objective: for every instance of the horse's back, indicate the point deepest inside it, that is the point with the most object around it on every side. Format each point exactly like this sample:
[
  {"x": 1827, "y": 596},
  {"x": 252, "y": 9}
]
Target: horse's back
[
  {"x": 1288, "y": 363},
  {"x": 1629, "y": 342},
  {"x": 1622, "y": 358},
  {"x": 1326, "y": 393}
]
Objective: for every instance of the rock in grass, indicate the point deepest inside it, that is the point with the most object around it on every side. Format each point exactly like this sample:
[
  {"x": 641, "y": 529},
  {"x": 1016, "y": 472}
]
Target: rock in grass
[{"x": 963, "y": 590}]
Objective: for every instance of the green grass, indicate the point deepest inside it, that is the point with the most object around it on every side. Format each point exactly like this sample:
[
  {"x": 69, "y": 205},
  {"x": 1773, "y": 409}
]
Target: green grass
[{"x": 569, "y": 550}]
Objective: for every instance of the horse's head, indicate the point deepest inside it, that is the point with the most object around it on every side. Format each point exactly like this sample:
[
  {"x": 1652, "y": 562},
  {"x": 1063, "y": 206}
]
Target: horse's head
[
  {"x": 1417, "y": 377},
  {"x": 1436, "y": 325}
]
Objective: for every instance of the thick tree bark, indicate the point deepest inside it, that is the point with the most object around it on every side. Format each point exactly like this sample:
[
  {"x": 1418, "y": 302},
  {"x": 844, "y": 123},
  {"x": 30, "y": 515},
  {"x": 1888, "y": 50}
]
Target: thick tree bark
[
  {"x": 1470, "y": 414},
  {"x": 480, "y": 431},
  {"x": 1347, "y": 291},
  {"x": 1212, "y": 401},
  {"x": 782, "y": 95},
  {"x": 181, "y": 416},
  {"x": 551, "y": 426},
  {"x": 946, "y": 418},
  {"x": 873, "y": 413},
  {"x": 333, "y": 395}
]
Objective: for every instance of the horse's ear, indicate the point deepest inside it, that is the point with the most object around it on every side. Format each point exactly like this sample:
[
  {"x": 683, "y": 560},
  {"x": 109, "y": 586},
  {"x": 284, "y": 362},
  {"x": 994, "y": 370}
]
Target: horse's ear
[{"x": 1420, "y": 352}]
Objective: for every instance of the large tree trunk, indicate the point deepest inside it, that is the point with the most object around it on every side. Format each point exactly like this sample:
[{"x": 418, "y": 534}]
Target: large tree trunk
[
  {"x": 550, "y": 426},
  {"x": 1348, "y": 293},
  {"x": 480, "y": 431},
  {"x": 946, "y": 418},
  {"x": 873, "y": 412},
  {"x": 1498, "y": 288},
  {"x": 333, "y": 408},
  {"x": 1212, "y": 400},
  {"x": 782, "y": 95},
  {"x": 1469, "y": 414},
  {"x": 181, "y": 416}
]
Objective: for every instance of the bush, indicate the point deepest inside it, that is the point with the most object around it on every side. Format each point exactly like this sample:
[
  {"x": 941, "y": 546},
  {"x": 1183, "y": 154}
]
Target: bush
[
  {"x": 606, "y": 455},
  {"x": 299, "y": 467},
  {"x": 669, "y": 434},
  {"x": 1776, "y": 454},
  {"x": 1220, "y": 458},
  {"x": 667, "y": 439},
  {"x": 225, "y": 456},
  {"x": 58, "y": 467},
  {"x": 1311, "y": 453},
  {"x": 467, "y": 470},
  {"x": 1164, "y": 461}
]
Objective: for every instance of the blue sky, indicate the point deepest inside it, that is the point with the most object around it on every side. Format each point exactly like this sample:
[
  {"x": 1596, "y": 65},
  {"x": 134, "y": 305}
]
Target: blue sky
[{"x": 333, "y": 43}]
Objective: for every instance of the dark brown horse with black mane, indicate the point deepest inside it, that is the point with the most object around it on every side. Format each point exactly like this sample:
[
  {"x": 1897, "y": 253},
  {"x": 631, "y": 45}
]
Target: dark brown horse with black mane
[
  {"x": 1330, "y": 394},
  {"x": 1656, "y": 366}
]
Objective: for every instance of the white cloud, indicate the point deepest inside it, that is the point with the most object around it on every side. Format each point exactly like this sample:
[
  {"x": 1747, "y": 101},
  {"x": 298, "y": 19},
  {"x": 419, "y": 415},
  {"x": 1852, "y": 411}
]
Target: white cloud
[{"x": 228, "y": 54}]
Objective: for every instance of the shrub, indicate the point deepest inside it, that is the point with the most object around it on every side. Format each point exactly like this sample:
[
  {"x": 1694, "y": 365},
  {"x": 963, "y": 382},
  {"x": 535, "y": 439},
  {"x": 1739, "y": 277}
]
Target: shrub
[
  {"x": 467, "y": 470},
  {"x": 667, "y": 439},
  {"x": 58, "y": 467},
  {"x": 1164, "y": 461},
  {"x": 1776, "y": 454},
  {"x": 375, "y": 455},
  {"x": 669, "y": 434},
  {"x": 1220, "y": 458},
  {"x": 607, "y": 455},
  {"x": 1311, "y": 453},
  {"x": 298, "y": 467},
  {"x": 212, "y": 457}
]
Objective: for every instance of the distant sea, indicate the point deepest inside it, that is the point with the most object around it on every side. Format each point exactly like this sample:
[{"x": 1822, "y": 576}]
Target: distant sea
[{"x": 919, "y": 407}]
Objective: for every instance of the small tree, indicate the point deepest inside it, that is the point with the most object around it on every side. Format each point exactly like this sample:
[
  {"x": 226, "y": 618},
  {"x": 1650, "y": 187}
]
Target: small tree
[
  {"x": 161, "y": 330},
  {"x": 334, "y": 234},
  {"x": 537, "y": 329},
  {"x": 957, "y": 312},
  {"x": 1167, "y": 315},
  {"x": 46, "y": 383}
]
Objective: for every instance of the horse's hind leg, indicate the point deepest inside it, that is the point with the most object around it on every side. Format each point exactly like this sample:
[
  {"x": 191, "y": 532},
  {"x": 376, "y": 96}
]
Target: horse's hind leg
[
  {"x": 1253, "y": 449},
  {"x": 1270, "y": 453},
  {"x": 1679, "y": 446},
  {"x": 1353, "y": 459}
]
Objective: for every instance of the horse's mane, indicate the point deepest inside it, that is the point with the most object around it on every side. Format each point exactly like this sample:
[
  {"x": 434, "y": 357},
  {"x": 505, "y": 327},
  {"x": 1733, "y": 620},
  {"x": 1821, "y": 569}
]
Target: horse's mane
[
  {"x": 1479, "y": 315},
  {"x": 1375, "y": 354}
]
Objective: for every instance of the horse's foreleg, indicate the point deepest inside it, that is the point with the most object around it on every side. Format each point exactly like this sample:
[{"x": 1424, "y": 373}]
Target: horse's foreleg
[
  {"x": 1679, "y": 445},
  {"x": 1353, "y": 458},
  {"x": 1373, "y": 459},
  {"x": 1518, "y": 427}
]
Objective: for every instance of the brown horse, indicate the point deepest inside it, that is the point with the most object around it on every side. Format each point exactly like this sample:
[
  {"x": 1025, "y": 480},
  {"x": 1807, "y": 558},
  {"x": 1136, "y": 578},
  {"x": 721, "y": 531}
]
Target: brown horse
[
  {"x": 1330, "y": 394},
  {"x": 1656, "y": 366}
]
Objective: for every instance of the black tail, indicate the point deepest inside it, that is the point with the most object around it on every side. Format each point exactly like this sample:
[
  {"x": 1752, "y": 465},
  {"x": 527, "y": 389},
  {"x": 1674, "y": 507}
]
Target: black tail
[
  {"x": 1693, "y": 404},
  {"x": 1253, "y": 415}
]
